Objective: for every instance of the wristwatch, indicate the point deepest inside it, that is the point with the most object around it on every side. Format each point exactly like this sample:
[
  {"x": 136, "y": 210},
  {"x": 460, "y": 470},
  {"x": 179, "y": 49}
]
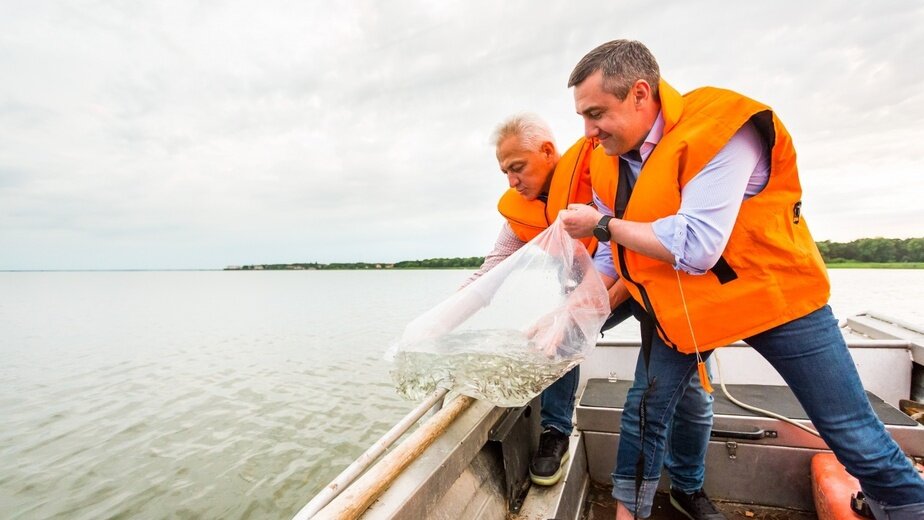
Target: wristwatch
[{"x": 601, "y": 231}]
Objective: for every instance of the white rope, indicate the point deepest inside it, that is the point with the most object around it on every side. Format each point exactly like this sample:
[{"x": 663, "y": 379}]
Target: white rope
[
  {"x": 699, "y": 359},
  {"x": 686, "y": 312},
  {"x": 755, "y": 409}
]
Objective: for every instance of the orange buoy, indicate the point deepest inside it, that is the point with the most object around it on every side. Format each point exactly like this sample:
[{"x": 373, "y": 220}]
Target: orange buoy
[{"x": 832, "y": 488}]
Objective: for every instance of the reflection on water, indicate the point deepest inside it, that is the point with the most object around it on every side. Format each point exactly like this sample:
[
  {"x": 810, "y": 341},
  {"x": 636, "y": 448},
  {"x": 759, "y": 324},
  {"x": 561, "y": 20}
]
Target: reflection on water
[{"x": 224, "y": 394}]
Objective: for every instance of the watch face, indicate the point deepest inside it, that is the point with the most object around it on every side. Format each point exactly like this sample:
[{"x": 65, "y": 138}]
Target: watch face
[{"x": 601, "y": 231}]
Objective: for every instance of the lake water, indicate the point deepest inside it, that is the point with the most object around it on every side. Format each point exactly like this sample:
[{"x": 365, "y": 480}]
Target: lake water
[{"x": 225, "y": 394}]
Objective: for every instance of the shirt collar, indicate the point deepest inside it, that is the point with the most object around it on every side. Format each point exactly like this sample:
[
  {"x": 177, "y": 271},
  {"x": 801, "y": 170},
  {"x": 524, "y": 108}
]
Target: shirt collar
[{"x": 652, "y": 139}]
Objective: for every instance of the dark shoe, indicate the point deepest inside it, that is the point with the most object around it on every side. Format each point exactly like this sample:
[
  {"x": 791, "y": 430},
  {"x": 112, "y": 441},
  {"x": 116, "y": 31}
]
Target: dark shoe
[
  {"x": 546, "y": 467},
  {"x": 696, "y": 505}
]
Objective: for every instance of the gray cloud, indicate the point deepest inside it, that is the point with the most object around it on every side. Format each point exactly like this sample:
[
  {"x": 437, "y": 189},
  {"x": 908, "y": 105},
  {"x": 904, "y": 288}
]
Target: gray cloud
[{"x": 179, "y": 134}]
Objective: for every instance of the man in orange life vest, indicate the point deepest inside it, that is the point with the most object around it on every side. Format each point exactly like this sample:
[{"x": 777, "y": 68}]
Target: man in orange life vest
[
  {"x": 709, "y": 238},
  {"x": 541, "y": 185}
]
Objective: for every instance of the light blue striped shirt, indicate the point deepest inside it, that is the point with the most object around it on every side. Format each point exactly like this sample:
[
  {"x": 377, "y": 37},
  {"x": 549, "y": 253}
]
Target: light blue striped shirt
[{"x": 698, "y": 233}]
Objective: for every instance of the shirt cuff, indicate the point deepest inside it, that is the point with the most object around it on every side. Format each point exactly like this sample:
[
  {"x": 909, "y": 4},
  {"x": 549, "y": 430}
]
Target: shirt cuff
[{"x": 672, "y": 233}]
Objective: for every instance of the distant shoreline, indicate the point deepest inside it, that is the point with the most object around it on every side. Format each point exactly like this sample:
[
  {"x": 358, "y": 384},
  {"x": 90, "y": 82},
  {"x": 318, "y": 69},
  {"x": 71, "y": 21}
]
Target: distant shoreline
[
  {"x": 391, "y": 267},
  {"x": 471, "y": 262},
  {"x": 875, "y": 265},
  {"x": 835, "y": 265},
  {"x": 863, "y": 253}
]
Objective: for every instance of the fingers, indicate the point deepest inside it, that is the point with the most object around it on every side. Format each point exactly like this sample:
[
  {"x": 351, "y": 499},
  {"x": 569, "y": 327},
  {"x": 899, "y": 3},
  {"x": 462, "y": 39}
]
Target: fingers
[
  {"x": 550, "y": 350},
  {"x": 583, "y": 209},
  {"x": 579, "y": 220},
  {"x": 541, "y": 324}
]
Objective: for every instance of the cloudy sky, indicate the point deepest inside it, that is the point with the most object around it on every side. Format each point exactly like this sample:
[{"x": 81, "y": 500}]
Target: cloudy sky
[{"x": 184, "y": 134}]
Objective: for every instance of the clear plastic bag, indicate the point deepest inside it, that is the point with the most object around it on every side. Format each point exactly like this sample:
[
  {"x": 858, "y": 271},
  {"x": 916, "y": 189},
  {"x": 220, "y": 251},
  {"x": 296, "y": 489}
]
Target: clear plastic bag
[{"x": 512, "y": 332}]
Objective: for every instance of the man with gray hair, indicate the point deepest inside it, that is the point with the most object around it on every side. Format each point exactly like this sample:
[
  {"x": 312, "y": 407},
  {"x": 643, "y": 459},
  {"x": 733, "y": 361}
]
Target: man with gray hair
[
  {"x": 527, "y": 155},
  {"x": 542, "y": 183},
  {"x": 699, "y": 195}
]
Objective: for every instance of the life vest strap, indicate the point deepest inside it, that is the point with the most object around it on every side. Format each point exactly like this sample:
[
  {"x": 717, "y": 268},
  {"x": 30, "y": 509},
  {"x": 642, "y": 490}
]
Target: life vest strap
[
  {"x": 623, "y": 194},
  {"x": 648, "y": 331},
  {"x": 723, "y": 271}
]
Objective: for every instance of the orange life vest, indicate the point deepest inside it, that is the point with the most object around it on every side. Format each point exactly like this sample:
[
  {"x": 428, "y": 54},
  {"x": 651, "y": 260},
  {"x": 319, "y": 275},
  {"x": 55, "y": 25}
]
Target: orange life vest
[
  {"x": 570, "y": 185},
  {"x": 770, "y": 272}
]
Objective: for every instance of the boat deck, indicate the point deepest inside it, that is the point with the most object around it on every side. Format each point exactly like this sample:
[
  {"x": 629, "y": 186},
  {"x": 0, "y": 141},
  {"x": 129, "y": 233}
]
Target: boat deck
[
  {"x": 475, "y": 467},
  {"x": 599, "y": 505}
]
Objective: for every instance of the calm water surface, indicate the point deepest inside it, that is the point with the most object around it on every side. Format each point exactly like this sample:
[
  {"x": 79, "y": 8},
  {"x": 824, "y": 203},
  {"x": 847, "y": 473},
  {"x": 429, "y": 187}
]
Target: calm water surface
[{"x": 225, "y": 394}]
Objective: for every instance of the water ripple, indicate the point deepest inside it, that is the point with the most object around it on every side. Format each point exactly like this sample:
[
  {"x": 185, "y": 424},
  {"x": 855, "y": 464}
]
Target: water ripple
[{"x": 208, "y": 395}]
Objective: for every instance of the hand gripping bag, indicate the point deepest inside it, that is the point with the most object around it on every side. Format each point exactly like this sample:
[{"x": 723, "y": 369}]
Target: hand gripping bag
[{"x": 512, "y": 332}]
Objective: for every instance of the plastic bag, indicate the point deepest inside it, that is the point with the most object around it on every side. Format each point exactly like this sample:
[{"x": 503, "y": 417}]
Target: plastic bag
[{"x": 510, "y": 333}]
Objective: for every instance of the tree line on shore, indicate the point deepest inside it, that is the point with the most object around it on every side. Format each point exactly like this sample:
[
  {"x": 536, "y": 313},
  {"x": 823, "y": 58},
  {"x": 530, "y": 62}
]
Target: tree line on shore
[
  {"x": 882, "y": 250},
  {"x": 878, "y": 250},
  {"x": 472, "y": 262}
]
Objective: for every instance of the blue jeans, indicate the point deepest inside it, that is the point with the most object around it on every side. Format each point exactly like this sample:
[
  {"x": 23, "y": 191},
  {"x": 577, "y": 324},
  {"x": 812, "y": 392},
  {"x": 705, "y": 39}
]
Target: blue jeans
[
  {"x": 678, "y": 425},
  {"x": 557, "y": 402},
  {"x": 812, "y": 357},
  {"x": 688, "y": 437}
]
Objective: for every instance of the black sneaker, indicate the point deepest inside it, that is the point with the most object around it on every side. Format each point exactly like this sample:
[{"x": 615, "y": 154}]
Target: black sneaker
[
  {"x": 546, "y": 467},
  {"x": 696, "y": 505}
]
